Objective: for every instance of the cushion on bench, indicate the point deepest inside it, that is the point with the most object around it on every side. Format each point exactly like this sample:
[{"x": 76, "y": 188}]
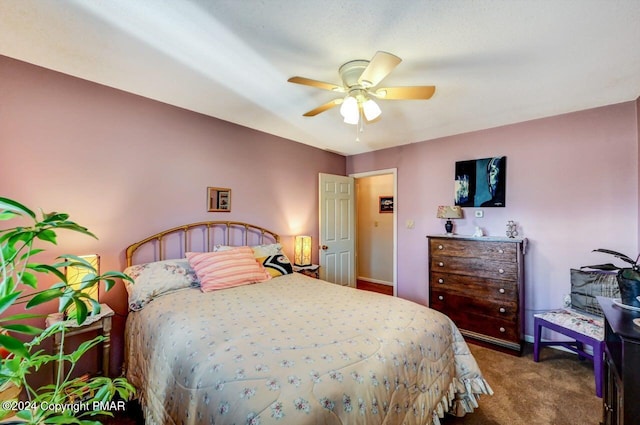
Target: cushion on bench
[
  {"x": 586, "y": 285},
  {"x": 588, "y": 325}
]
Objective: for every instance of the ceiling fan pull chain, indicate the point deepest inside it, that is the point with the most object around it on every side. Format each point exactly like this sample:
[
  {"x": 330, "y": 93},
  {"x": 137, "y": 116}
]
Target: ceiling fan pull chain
[{"x": 360, "y": 126}]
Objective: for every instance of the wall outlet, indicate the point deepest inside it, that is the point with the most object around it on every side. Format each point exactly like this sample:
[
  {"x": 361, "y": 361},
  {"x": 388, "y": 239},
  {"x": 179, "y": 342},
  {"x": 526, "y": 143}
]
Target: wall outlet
[{"x": 479, "y": 213}]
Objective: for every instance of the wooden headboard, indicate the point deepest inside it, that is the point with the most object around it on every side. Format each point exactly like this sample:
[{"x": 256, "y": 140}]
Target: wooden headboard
[{"x": 197, "y": 237}]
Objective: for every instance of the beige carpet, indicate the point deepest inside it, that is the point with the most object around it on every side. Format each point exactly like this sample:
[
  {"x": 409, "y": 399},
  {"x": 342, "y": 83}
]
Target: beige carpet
[{"x": 559, "y": 390}]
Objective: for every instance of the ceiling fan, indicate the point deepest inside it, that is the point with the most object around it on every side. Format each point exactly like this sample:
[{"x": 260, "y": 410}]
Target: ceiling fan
[{"x": 360, "y": 80}]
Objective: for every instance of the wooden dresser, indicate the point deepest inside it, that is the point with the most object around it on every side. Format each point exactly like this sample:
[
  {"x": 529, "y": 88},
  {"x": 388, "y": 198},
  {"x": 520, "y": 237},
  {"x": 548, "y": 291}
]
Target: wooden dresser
[
  {"x": 621, "y": 365},
  {"x": 479, "y": 284}
]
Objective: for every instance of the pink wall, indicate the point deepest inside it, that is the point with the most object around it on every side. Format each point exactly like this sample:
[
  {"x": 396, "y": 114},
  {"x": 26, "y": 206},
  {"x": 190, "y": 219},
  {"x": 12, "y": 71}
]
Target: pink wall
[
  {"x": 140, "y": 166},
  {"x": 572, "y": 186},
  {"x": 126, "y": 167}
]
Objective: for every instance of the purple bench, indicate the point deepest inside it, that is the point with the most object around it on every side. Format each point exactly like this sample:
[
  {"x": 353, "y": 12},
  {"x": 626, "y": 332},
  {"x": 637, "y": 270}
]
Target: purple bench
[
  {"x": 582, "y": 319},
  {"x": 582, "y": 328}
]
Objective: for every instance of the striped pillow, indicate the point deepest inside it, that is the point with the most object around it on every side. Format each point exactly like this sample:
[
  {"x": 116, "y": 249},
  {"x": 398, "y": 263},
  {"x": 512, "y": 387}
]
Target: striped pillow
[{"x": 226, "y": 269}]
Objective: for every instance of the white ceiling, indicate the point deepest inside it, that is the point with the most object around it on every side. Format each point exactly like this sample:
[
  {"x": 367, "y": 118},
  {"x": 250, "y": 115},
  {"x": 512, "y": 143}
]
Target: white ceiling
[{"x": 494, "y": 62}]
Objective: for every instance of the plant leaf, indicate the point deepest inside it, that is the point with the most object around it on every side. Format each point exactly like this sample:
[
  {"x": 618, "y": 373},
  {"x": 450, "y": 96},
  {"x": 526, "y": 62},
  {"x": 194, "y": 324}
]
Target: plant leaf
[
  {"x": 605, "y": 267},
  {"x": 47, "y": 235},
  {"x": 623, "y": 257},
  {"x": 54, "y": 216},
  {"x": 44, "y": 296},
  {"x": 81, "y": 311},
  {"x": 7, "y": 301},
  {"x": 15, "y": 207},
  {"x": 29, "y": 279},
  {"x": 14, "y": 345},
  {"x": 23, "y": 329},
  {"x": 45, "y": 268},
  {"x": 21, "y": 316}
]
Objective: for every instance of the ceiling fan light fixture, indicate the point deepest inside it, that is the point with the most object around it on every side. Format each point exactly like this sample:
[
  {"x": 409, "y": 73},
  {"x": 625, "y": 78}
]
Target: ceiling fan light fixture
[
  {"x": 371, "y": 110},
  {"x": 349, "y": 110},
  {"x": 352, "y": 120}
]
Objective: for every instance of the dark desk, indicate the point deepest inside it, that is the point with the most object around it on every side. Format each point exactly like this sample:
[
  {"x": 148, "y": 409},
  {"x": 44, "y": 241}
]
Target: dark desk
[{"x": 621, "y": 366}]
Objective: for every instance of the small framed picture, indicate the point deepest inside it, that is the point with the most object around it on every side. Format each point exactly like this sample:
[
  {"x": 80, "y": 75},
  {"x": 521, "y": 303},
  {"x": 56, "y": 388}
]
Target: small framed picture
[
  {"x": 386, "y": 204},
  {"x": 219, "y": 199}
]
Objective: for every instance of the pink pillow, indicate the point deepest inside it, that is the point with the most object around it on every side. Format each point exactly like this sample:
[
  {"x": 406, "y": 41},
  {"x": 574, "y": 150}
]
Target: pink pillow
[{"x": 226, "y": 269}]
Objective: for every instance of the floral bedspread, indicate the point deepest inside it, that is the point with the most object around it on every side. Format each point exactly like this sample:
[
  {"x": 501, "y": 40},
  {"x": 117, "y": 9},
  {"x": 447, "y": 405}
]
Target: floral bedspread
[{"x": 297, "y": 350}]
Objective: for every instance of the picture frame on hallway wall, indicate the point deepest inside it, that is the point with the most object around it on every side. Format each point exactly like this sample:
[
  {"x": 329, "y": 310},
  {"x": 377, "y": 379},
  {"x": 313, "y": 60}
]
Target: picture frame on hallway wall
[
  {"x": 386, "y": 204},
  {"x": 481, "y": 182}
]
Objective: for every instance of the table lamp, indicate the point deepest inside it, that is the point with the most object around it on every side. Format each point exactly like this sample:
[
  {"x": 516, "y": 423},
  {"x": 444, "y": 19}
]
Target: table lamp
[
  {"x": 75, "y": 275},
  {"x": 302, "y": 251},
  {"x": 449, "y": 213}
]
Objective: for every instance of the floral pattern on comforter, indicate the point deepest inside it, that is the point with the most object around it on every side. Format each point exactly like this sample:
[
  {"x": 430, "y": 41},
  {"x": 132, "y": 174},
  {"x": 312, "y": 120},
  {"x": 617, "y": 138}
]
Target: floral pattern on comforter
[{"x": 297, "y": 350}]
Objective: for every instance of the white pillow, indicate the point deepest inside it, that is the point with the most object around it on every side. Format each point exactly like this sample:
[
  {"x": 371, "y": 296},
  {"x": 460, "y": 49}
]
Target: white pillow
[
  {"x": 154, "y": 279},
  {"x": 267, "y": 250}
]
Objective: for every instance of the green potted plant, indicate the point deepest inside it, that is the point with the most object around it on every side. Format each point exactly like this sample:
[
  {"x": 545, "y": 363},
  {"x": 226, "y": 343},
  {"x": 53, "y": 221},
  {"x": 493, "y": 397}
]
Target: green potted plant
[
  {"x": 82, "y": 401},
  {"x": 628, "y": 277}
]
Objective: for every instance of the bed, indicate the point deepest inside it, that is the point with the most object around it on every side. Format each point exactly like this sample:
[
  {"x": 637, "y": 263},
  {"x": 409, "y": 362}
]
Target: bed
[{"x": 290, "y": 349}]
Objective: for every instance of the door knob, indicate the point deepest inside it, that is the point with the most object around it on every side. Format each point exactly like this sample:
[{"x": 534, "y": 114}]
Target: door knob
[{"x": 324, "y": 247}]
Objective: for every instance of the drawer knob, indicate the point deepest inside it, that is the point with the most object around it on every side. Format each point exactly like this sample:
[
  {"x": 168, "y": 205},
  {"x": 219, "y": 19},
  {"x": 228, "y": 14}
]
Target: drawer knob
[
  {"x": 440, "y": 247},
  {"x": 502, "y": 310},
  {"x": 440, "y": 297},
  {"x": 501, "y": 251},
  {"x": 500, "y": 271},
  {"x": 502, "y": 330},
  {"x": 441, "y": 264},
  {"x": 501, "y": 290},
  {"x": 440, "y": 280}
]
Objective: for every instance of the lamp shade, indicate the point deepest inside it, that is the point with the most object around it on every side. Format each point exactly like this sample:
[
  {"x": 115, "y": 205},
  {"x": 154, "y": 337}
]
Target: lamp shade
[
  {"x": 371, "y": 110},
  {"x": 449, "y": 212},
  {"x": 78, "y": 274},
  {"x": 350, "y": 110},
  {"x": 302, "y": 251}
]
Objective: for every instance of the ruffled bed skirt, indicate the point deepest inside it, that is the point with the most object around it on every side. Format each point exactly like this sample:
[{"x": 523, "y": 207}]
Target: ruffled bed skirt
[{"x": 462, "y": 398}]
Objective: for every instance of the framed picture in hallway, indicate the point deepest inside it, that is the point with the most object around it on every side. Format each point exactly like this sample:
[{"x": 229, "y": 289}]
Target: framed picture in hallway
[{"x": 386, "y": 204}]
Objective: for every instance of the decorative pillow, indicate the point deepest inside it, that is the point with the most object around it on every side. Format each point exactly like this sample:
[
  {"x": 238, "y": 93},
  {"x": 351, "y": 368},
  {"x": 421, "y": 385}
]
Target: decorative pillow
[
  {"x": 226, "y": 269},
  {"x": 261, "y": 251},
  {"x": 276, "y": 265},
  {"x": 587, "y": 285},
  {"x": 157, "y": 278},
  {"x": 218, "y": 248}
]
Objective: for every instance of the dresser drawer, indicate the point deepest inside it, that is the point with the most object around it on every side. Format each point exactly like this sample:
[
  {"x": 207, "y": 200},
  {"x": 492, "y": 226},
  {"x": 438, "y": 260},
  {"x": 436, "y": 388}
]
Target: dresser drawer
[
  {"x": 499, "y": 251},
  {"x": 477, "y": 287},
  {"x": 481, "y": 324},
  {"x": 475, "y": 267},
  {"x": 455, "y": 304},
  {"x": 496, "y": 328}
]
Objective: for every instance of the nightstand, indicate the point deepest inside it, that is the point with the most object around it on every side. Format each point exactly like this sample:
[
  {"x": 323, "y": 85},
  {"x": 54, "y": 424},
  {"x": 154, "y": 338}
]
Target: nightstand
[
  {"x": 311, "y": 271},
  {"x": 100, "y": 322}
]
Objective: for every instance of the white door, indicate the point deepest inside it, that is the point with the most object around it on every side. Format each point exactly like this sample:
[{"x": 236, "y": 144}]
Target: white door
[{"x": 337, "y": 229}]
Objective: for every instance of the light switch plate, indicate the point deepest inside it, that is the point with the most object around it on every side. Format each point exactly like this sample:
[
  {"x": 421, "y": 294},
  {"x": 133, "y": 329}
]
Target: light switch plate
[{"x": 479, "y": 213}]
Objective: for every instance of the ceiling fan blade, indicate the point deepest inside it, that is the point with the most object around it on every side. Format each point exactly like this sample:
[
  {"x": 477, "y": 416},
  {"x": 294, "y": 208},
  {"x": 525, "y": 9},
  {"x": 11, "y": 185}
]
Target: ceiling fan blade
[
  {"x": 322, "y": 108},
  {"x": 411, "y": 92},
  {"x": 316, "y": 83},
  {"x": 379, "y": 67}
]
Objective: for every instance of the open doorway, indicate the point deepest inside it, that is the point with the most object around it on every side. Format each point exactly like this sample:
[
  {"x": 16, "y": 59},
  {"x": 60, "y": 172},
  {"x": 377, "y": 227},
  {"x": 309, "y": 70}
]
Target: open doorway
[{"x": 376, "y": 230}]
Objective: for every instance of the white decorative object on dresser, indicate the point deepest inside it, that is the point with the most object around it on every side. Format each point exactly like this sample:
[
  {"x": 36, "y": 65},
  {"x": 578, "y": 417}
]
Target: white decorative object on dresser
[{"x": 479, "y": 284}]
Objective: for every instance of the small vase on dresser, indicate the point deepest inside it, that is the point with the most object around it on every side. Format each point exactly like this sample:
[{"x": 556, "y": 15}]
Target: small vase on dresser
[{"x": 479, "y": 284}]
